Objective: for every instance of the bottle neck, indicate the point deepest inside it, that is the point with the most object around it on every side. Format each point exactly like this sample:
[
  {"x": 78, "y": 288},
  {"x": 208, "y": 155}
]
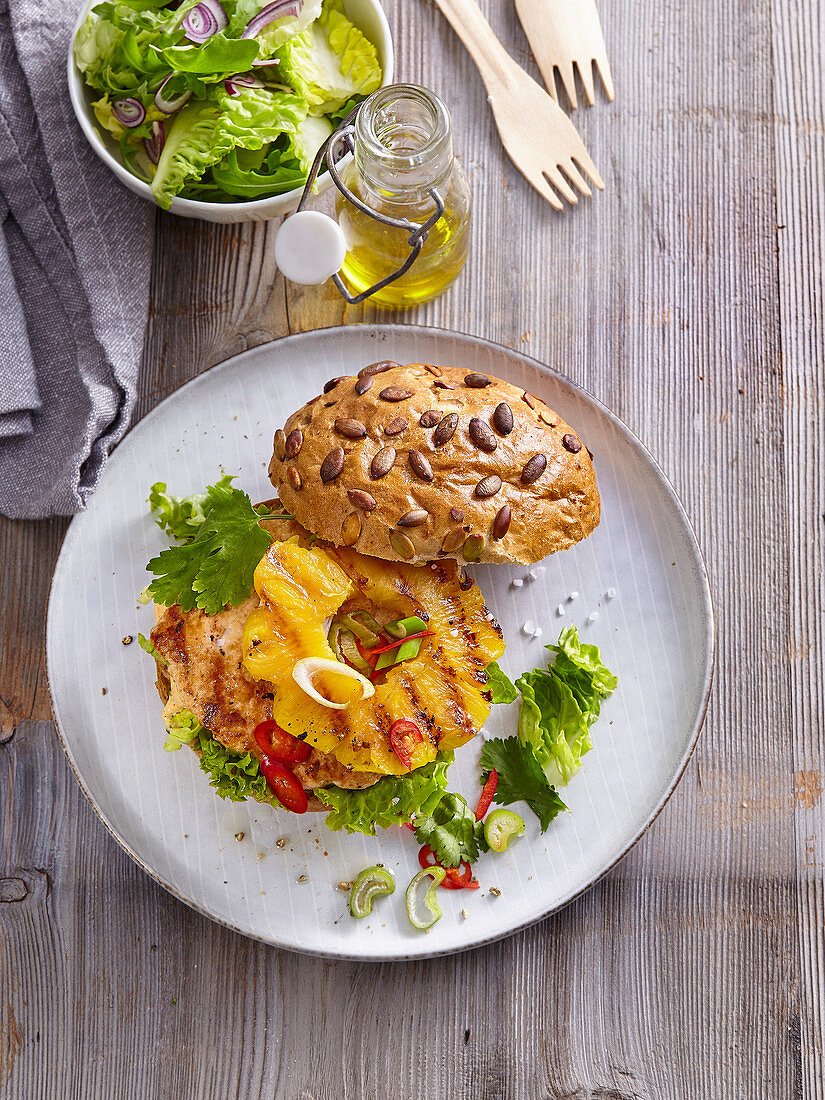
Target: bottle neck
[{"x": 403, "y": 144}]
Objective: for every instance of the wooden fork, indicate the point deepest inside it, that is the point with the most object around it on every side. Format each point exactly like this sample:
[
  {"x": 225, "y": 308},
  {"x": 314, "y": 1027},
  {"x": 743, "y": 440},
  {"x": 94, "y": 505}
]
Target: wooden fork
[
  {"x": 538, "y": 136},
  {"x": 563, "y": 34}
]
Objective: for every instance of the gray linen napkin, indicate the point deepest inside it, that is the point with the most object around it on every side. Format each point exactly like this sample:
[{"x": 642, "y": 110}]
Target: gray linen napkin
[{"x": 75, "y": 254}]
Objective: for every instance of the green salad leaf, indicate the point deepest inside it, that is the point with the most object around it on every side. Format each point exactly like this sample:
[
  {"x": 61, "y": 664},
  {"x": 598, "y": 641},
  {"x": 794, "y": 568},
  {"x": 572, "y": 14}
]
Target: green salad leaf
[
  {"x": 204, "y": 133},
  {"x": 183, "y": 729},
  {"x": 215, "y": 59},
  {"x": 214, "y": 567},
  {"x": 520, "y": 778},
  {"x": 451, "y": 830},
  {"x": 393, "y": 800},
  {"x": 330, "y": 61},
  {"x": 181, "y": 517},
  {"x": 499, "y": 684},
  {"x": 233, "y": 775},
  {"x": 560, "y": 703}
]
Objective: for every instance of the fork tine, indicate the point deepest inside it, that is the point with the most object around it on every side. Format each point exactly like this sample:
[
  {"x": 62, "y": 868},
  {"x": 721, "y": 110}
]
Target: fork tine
[
  {"x": 603, "y": 66},
  {"x": 585, "y": 68},
  {"x": 545, "y": 190},
  {"x": 554, "y": 176},
  {"x": 576, "y": 178},
  {"x": 584, "y": 161},
  {"x": 568, "y": 79}
]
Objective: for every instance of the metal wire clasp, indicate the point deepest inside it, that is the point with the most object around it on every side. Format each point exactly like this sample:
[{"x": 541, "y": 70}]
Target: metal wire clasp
[{"x": 338, "y": 145}]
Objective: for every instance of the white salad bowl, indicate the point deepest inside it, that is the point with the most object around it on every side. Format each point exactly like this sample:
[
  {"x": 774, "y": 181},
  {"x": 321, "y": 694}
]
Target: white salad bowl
[{"x": 367, "y": 15}]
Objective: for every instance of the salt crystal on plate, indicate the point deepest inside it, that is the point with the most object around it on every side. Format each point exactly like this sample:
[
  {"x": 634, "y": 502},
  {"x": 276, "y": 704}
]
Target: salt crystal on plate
[
  {"x": 537, "y": 572},
  {"x": 573, "y": 596},
  {"x": 517, "y": 583},
  {"x": 528, "y": 628},
  {"x": 591, "y": 618},
  {"x": 611, "y": 593},
  {"x": 537, "y": 632},
  {"x": 560, "y": 610}
]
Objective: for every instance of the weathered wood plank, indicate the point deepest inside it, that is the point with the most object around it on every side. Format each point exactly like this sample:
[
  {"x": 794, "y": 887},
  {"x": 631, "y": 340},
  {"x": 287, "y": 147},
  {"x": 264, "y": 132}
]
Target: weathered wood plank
[{"x": 799, "y": 126}]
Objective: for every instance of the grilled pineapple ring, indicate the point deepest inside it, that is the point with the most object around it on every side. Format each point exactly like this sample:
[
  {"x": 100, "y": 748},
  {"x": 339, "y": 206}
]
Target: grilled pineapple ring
[{"x": 443, "y": 690}]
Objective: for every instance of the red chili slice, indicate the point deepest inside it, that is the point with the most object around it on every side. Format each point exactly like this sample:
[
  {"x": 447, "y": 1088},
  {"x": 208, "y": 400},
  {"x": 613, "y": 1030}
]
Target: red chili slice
[
  {"x": 400, "y": 641},
  {"x": 455, "y": 878},
  {"x": 284, "y": 786},
  {"x": 404, "y": 736},
  {"x": 487, "y": 793},
  {"x": 280, "y": 745}
]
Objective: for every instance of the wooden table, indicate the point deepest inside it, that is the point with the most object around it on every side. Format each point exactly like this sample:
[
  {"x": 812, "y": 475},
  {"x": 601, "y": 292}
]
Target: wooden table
[{"x": 688, "y": 297}]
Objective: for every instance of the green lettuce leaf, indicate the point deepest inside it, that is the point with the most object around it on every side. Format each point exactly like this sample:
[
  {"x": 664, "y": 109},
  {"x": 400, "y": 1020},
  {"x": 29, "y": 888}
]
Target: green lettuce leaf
[
  {"x": 203, "y": 133},
  {"x": 234, "y": 776},
  {"x": 552, "y": 724},
  {"x": 181, "y": 517},
  {"x": 308, "y": 139},
  {"x": 520, "y": 779},
  {"x": 118, "y": 49},
  {"x": 561, "y": 703},
  {"x": 215, "y": 59},
  {"x": 451, "y": 830},
  {"x": 330, "y": 62},
  {"x": 251, "y": 174},
  {"x": 499, "y": 684},
  {"x": 148, "y": 647},
  {"x": 213, "y": 568},
  {"x": 391, "y": 801},
  {"x": 583, "y": 670},
  {"x": 184, "y": 729}
]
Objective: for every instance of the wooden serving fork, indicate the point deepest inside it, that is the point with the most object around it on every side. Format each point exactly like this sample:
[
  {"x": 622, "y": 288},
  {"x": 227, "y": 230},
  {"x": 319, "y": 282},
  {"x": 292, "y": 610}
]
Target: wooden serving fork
[
  {"x": 538, "y": 136},
  {"x": 563, "y": 34}
]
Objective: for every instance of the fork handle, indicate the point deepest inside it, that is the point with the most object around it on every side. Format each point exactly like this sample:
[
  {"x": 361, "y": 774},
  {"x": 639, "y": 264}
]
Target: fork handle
[{"x": 491, "y": 58}]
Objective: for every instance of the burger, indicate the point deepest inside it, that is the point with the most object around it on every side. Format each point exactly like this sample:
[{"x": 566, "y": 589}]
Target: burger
[{"x": 351, "y": 653}]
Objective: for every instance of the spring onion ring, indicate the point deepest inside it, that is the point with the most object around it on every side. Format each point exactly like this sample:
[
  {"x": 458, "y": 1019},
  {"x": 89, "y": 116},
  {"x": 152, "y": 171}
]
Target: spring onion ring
[
  {"x": 307, "y": 667},
  {"x": 370, "y": 884},
  {"x": 430, "y": 901}
]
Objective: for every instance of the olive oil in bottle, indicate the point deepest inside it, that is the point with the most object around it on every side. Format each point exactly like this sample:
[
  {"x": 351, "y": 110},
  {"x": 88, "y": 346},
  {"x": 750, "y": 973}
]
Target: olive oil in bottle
[{"x": 404, "y": 147}]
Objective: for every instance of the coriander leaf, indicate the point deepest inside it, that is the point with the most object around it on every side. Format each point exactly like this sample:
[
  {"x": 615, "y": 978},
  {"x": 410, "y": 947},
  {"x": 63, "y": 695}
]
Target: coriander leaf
[
  {"x": 215, "y": 567},
  {"x": 501, "y": 687},
  {"x": 451, "y": 830},
  {"x": 391, "y": 801},
  {"x": 520, "y": 779}
]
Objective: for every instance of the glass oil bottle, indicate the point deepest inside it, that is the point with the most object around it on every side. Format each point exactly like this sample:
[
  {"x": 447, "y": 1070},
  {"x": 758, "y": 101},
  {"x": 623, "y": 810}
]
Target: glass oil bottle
[{"x": 403, "y": 148}]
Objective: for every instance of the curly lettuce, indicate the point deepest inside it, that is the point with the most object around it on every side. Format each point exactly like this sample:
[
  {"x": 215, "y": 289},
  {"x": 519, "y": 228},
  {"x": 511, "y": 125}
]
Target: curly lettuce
[
  {"x": 559, "y": 705},
  {"x": 330, "y": 62},
  {"x": 393, "y": 800}
]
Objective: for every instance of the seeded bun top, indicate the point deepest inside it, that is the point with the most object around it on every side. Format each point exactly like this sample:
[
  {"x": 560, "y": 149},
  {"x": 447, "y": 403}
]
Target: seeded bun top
[{"x": 418, "y": 462}]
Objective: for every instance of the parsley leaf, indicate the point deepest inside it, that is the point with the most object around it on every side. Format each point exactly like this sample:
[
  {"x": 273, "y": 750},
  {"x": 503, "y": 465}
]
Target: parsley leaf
[
  {"x": 520, "y": 778},
  {"x": 501, "y": 687},
  {"x": 215, "y": 566},
  {"x": 451, "y": 830}
]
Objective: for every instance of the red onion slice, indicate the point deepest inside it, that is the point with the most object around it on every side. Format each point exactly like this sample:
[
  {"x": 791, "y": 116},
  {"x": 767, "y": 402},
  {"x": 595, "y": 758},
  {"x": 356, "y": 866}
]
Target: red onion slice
[
  {"x": 130, "y": 112},
  {"x": 279, "y": 9},
  {"x": 244, "y": 80},
  {"x": 169, "y": 106},
  {"x": 204, "y": 20},
  {"x": 154, "y": 144}
]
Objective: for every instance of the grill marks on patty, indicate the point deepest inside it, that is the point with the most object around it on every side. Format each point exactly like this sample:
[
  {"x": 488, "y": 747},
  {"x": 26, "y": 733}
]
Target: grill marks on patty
[{"x": 203, "y": 654}]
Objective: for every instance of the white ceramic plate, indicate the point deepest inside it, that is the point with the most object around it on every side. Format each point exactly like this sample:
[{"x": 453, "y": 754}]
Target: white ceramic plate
[{"x": 656, "y": 633}]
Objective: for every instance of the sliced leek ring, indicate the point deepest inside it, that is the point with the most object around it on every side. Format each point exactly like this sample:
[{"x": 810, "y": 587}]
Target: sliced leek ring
[{"x": 307, "y": 667}]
